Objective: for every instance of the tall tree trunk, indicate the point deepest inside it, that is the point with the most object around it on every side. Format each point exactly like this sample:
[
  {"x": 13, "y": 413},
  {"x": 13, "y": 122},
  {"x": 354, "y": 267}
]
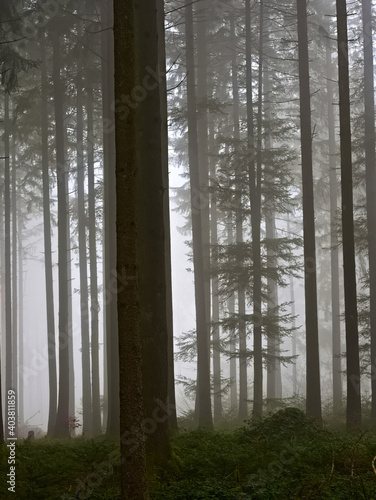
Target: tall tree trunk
[
  {"x": 110, "y": 292},
  {"x": 233, "y": 340},
  {"x": 164, "y": 142},
  {"x": 51, "y": 340},
  {"x": 62, "y": 416},
  {"x": 151, "y": 231},
  {"x": 133, "y": 466},
  {"x": 353, "y": 414},
  {"x": 217, "y": 406},
  {"x": 82, "y": 243},
  {"x": 255, "y": 197},
  {"x": 370, "y": 139},
  {"x": 202, "y": 142},
  {"x": 334, "y": 253},
  {"x": 243, "y": 383},
  {"x": 94, "y": 304},
  {"x": 8, "y": 281},
  {"x": 313, "y": 402},
  {"x": 14, "y": 281},
  {"x": 21, "y": 357},
  {"x": 203, "y": 349}
]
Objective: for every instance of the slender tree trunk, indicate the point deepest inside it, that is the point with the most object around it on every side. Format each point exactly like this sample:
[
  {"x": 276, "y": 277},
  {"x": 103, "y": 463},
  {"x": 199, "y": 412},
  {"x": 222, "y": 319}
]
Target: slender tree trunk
[
  {"x": 293, "y": 325},
  {"x": 202, "y": 141},
  {"x": 334, "y": 253},
  {"x": 8, "y": 281},
  {"x": 110, "y": 292},
  {"x": 94, "y": 304},
  {"x": 164, "y": 142},
  {"x": 82, "y": 243},
  {"x": 313, "y": 402},
  {"x": 21, "y": 357},
  {"x": 62, "y": 416},
  {"x": 217, "y": 407},
  {"x": 353, "y": 415},
  {"x": 51, "y": 341},
  {"x": 255, "y": 196},
  {"x": 243, "y": 384},
  {"x": 203, "y": 349},
  {"x": 14, "y": 281},
  {"x": 233, "y": 340},
  {"x": 370, "y": 139},
  {"x": 133, "y": 466},
  {"x": 72, "y": 395}
]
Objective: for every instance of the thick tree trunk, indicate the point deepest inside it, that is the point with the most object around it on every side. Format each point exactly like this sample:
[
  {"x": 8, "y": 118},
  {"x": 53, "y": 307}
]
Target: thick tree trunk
[
  {"x": 94, "y": 304},
  {"x": 203, "y": 349},
  {"x": 334, "y": 253},
  {"x": 313, "y": 402},
  {"x": 62, "y": 416},
  {"x": 151, "y": 230},
  {"x": 353, "y": 415},
  {"x": 133, "y": 464},
  {"x": 370, "y": 138}
]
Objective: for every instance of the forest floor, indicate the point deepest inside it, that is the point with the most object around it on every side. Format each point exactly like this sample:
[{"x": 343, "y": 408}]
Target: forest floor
[{"x": 283, "y": 456}]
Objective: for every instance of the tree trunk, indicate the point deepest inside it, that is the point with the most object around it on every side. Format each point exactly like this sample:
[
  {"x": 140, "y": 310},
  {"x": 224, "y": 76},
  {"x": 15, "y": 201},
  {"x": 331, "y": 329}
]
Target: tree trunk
[
  {"x": 151, "y": 230},
  {"x": 164, "y": 142},
  {"x": 353, "y": 414},
  {"x": 217, "y": 407},
  {"x": 243, "y": 383},
  {"x": 14, "y": 282},
  {"x": 21, "y": 357},
  {"x": 110, "y": 292},
  {"x": 334, "y": 254},
  {"x": 82, "y": 243},
  {"x": 370, "y": 138},
  {"x": 132, "y": 423},
  {"x": 203, "y": 349},
  {"x": 8, "y": 281},
  {"x": 255, "y": 197},
  {"x": 62, "y": 416},
  {"x": 313, "y": 402},
  {"x": 232, "y": 344},
  {"x": 94, "y": 304}
]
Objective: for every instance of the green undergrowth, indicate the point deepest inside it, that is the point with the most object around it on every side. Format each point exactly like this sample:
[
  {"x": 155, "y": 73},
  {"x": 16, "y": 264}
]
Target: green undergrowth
[{"x": 283, "y": 456}]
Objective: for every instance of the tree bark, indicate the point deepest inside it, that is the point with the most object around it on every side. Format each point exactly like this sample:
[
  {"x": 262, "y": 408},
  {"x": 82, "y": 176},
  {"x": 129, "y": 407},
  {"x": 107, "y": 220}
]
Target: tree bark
[
  {"x": 313, "y": 402},
  {"x": 82, "y": 244},
  {"x": 334, "y": 253},
  {"x": 203, "y": 350},
  {"x": 94, "y": 304},
  {"x": 51, "y": 340},
  {"x": 370, "y": 138},
  {"x": 62, "y": 416},
  {"x": 353, "y": 413},
  {"x": 133, "y": 463}
]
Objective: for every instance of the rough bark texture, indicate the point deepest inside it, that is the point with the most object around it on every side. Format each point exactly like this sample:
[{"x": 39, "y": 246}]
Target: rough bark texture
[
  {"x": 353, "y": 414},
  {"x": 203, "y": 361},
  {"x": 133, "y": 460},
  {"x": 313, "y": 402},
  {"x": 151, "y": 231}
]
